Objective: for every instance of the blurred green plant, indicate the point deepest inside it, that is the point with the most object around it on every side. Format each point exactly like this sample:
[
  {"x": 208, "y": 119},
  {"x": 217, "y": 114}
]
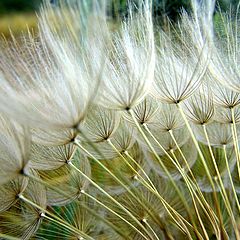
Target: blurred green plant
[{"x": 7, "y": 6}]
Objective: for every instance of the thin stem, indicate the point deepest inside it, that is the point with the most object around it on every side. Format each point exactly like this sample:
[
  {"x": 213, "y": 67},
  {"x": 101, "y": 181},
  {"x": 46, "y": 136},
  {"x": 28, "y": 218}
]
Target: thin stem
[
  {"x": 168, "y": 208},
  {"x": 54, "y": 218},
  {"x": 235, "y": 227},
  {"x": 102, "y": 165},
  {"x": 149, "y": 226},
  {"x": 77, "y": 202},
  {"x": 192, "y": 175},
  {"x": 230, "y": 177},
  {"x": 235, "y": 141},
  {"x": 97, "y": 161},
  {"x": 110, "y": 210},
  {"x": 194, "y": 202},
  {"x": 222, "y": 188},
  {"x": 206, "y": 169},
  {"x": 180, "y": 150},
  {"x": 5, "y": 236},
  {"x": 197, "y": 146},
  {"x": 149, "y": 181},
  {"x": 165, "y": 170},
  {"x": 129, "y": 165},
  {"x": 191, "y": 186},
  {"x": 113, "y": 199},
  {"x": 140, "y": 167}
]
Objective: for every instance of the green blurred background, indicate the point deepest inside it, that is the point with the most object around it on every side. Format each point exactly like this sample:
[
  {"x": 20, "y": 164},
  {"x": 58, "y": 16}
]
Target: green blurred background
[{"x": 18, "y": 14}]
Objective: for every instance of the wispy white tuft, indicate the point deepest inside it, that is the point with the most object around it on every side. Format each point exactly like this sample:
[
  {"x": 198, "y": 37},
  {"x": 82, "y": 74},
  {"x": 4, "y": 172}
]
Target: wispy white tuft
[{"x": 129, "y": 70}]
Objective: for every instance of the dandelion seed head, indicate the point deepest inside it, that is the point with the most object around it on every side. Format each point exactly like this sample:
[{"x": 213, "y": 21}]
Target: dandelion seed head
[
  {"x": 200, "y": 107},
  {"x": 219, "y": 134},
  {"x": 14, "y": 148},
  {"x": 129, "y": 69},
  {"x": 100, "y": 124}
]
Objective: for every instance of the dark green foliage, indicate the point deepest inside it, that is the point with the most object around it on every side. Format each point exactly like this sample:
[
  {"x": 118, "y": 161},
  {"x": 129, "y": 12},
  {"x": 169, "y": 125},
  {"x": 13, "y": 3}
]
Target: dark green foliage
[
  {"x": 169, "y": 8},
  {"x": 163, "y": 9},
  {"x": 7, "y": 6}
]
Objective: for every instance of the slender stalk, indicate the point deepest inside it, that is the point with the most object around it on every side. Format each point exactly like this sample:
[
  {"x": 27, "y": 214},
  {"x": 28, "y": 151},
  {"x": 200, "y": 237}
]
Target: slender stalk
[
  {"x": 197, "y": 146},
  {"x": 180, "y": 150},
  {"x": 176, "y": 217},
  {"x": 79, "y": 203},
  {"x": 142, "y": 180},
  {"x": 190, "y": 171},
  {"x": 102, "y": 165},
  {"x": 235, "y": 227},
  {"x": 97, "y": 161},
  {"x": 7, "y": 237},
  {"x": 113, "y": 199},
  {"x": 54, "y": 218},
  {"x": 191, "y": 186},
  {"x": 142, "y": 170},
  {"x": 230, "y": 177},
  {"x": 222, "y": 188},
  {"x": 110, "y": 210},
  {"x": 194, "y": 203},
  {"x": 235, "y": 141},
  {"x": 166, "y": 171},
  {"x": 149, "y": 226},
  {"x": 130, "y": 166},
  {"x": 223, "y": 231}
]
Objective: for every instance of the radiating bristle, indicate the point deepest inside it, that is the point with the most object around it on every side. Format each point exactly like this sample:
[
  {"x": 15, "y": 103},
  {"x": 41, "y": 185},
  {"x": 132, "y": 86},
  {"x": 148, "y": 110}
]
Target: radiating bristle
[{"x": 14, "y": 149}]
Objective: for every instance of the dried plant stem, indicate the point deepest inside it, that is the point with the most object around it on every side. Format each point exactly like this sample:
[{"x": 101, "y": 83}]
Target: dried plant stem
[
  {"x": 142, "y": 170},
  {"x": 222, "y": 188},
  {"x": 195, "y": 184},
  {"x": 235, "y": 226},
  {"x": 55, "y": 218},
  {"x": 130, "y": 166},
  {"x": 115, "y": 201},
  {"x": 194, "y": 202},
  {"x": 175, "y": 216},
  {"x": 118, "y": 215},
  {"x": 191, "y": 186},
  {"x": 122, "y": 184},
  {"x": 149, "y": 226},
  {"x": 235, "y": 141},
  {"x": 222, "y": 234},
  {"x": 5, "y": 236},
  {"x": 102, "y": 165},
  {"x": 167, "y": 172},
  {"x": 182, "y": 155},
  {"x": 49, "y": 185},
  {"x": 144, "y": 183},
  {"x": 230, "y": 177},
  {"x": 80, "y": 204}
]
